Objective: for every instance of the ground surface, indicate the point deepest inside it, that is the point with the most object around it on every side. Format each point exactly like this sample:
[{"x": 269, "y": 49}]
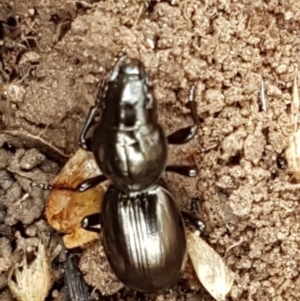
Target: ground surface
[{"x": 53, "y": 55}]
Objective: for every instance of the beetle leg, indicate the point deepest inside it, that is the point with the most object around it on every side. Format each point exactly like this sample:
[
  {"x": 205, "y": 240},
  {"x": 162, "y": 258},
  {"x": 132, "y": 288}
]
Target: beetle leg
[
  {"x": 85, "y": 142},
  {"x": 184, "y": 170},
  {"x": 91, "y": 182},
  {"x": 41, "y": 186},
  {"x": 194, "y": 219},
  {"x": 184, "y": 135},
  {"x": 92, "y": 222}
]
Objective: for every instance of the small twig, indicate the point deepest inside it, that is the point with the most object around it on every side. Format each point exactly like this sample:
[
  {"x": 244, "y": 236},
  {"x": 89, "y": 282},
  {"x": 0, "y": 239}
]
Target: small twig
[
  {"x": 208, "y": 148},
  {"x": 139, "y": 16},
  {"x": 262, "y": 96},
  {"x": 233, "y": 246},
  {"x": 295, "y": 104},
  {"x": 55, "y": 252},
  {"x": 27, "y": 74},
  {"x": 18, "y": 133}
]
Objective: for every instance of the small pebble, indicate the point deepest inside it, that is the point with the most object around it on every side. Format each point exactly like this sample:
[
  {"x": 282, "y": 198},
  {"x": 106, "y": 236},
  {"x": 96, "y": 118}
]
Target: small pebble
[
  {"x": 6, "y": 181},
  {"x": 3, "y": 281},
  {"x": 6, "y": 296},
  {"x": 31, "y": 159},
  {"x": 5, "y": 247},
  {"x": 4, "y": 158}
]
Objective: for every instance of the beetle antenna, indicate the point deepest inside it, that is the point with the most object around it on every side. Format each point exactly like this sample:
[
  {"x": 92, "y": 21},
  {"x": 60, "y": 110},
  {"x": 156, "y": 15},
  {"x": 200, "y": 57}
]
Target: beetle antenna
[{"x": 41, "y": 186}]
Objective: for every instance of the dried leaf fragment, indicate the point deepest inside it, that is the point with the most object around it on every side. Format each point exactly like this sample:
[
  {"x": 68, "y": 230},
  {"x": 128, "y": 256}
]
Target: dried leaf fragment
[
  {"x": 67, "y": 207},
  {"x": 210, "y": 268},
  {"x": 33, "y": 281}
]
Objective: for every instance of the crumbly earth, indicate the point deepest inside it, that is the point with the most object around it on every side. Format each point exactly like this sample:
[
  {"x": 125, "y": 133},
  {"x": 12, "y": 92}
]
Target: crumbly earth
[{"x": 53, "y": 55}]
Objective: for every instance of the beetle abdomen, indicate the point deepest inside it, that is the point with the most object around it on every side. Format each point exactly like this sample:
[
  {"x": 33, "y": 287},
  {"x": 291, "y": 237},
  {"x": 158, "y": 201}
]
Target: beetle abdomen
[{"x": 144, "y": 239}]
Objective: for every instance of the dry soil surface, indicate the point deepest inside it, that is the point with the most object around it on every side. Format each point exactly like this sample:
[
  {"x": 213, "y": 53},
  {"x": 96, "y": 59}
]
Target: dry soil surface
[{"x": 53, "y": 55}]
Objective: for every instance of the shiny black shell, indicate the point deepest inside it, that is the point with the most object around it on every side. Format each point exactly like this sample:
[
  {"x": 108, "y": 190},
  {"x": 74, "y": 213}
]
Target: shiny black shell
[
  {"x": 144, "y": 238},
  {"x": 129, "y": 144},
  {"x": 136, "y": 158}
]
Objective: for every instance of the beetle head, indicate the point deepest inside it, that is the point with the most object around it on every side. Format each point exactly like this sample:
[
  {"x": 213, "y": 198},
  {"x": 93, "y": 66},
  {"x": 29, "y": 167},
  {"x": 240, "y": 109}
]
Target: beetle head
[{"x": 129, "y": 100}]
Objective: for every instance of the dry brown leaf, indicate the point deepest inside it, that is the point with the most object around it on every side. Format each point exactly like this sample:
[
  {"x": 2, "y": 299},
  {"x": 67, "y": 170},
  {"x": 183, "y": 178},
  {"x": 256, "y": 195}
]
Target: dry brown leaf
[
  {"x": 33, "y": 281},
  {"x": 67, "y": 207},
  {"x": 210, "y": 267}
]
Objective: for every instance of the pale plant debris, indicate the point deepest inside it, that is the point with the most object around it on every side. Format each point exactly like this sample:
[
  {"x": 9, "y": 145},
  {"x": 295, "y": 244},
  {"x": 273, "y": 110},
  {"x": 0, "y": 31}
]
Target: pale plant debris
[
  {"x": 210, "y": 267},
  {"x": 292, "y": 152},
  {"x": 295, "y": 104},
  {"x": 33, "y": 281}
]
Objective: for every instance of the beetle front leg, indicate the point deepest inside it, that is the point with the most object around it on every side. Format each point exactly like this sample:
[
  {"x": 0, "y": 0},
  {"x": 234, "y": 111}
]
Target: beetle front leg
[
  {"x": 184, "y": 170},
  {"x": 184, "y": 135},
  {"x": 92, "y": 222},
  {"x": 90, "y": 183},
  {"x": 84, "y": 142},
  {"x": 194, "y": 219}
]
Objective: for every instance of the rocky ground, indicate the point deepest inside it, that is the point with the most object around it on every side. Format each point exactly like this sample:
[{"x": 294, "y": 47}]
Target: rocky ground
[{"x": 53, "y": 55}]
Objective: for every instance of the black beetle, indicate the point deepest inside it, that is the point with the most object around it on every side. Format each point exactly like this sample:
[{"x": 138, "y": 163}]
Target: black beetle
[
  {"x": 128, "y": 143},
  {"x": 142, "y": 227}
]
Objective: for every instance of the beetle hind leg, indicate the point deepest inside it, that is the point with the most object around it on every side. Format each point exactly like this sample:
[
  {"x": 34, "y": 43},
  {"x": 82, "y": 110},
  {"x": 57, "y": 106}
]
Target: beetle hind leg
[
  {"x": 184, "y": 170},
  {"x": 194, "y": 220},
  {"x": 92, "y": 222},
  {"x": 184, "y": 135}
]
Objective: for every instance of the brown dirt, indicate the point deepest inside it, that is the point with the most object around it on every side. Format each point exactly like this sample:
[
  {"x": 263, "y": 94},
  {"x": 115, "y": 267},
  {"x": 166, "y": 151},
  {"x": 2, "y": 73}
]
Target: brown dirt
[{"x": 53, "y": 55}]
